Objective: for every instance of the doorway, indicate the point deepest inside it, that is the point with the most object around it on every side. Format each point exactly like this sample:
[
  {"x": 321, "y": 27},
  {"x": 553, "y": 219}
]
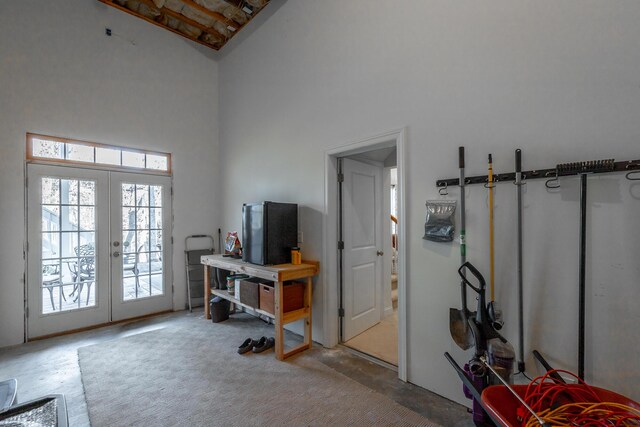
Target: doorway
[
  {"x": 99, "y": 247},
  {"x": 370, "y": 321},
  {"x": 359, "y": 203}
]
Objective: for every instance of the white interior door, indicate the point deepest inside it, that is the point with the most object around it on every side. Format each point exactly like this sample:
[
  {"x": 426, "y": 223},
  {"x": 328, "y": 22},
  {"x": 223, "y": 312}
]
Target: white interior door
[
  {"x": 362, "y": 254},
  {"x": 68, "y": 246},
  {"x": 140, "y": 244}
]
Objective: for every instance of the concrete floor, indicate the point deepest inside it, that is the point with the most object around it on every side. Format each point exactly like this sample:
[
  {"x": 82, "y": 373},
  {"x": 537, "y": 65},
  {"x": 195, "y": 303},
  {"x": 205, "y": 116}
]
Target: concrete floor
[{"x": 51, "y": 366}]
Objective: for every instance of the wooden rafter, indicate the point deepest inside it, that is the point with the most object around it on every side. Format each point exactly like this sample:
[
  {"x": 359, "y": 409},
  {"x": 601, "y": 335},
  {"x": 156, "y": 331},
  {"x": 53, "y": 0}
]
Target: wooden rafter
[
  {"x": 240, "y": 4},
  {"x": 165, "y": 12},
  {"x": 215, "y": 15},
  {"x": 138, "y": 15},
  {"x": 182, "y": 18}
]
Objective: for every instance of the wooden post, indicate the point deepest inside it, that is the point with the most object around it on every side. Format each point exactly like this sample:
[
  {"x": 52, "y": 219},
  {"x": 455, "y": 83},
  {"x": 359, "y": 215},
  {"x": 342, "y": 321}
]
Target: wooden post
[
  {"x": 207, "y": 291},
  {"x": 279, "y": 327}
]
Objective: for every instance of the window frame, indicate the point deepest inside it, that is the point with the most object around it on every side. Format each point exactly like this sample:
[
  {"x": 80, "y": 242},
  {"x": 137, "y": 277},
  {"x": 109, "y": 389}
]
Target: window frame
[{"x": 120, "y": 168}]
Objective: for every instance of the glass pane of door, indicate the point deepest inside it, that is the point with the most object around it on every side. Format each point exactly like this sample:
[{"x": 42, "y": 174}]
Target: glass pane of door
[
  {"x": 142, "y": 271},
  {"x": 68, "y": 241}
]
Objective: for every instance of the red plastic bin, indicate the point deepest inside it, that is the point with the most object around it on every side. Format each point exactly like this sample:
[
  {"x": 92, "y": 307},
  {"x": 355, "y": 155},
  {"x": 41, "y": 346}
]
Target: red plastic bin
[{"x": 501, "y": 405}]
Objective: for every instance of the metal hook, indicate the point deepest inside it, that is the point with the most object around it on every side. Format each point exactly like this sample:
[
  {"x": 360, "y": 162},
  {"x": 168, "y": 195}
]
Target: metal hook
[
  {"x": 443, "y": 191},
  {"x": 554, "y": 179},
  {"x": 630, "y": 174},
  {"x": 552, "y": 186},
  {"x": 493, "y": 183}
]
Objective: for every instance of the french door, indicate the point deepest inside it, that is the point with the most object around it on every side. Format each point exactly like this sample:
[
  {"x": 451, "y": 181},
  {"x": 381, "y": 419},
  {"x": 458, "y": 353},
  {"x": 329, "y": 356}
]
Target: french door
[
  {"x": 140, "y": 237},
  {"x": 98, "y": 247}
]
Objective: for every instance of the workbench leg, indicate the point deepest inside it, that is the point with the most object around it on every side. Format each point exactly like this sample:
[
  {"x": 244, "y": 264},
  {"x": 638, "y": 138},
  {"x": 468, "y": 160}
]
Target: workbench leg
[
  {"x": 207, "y": 292},
  {"x": 279, "y": 327},
  {"x": 308, "y": 302}
]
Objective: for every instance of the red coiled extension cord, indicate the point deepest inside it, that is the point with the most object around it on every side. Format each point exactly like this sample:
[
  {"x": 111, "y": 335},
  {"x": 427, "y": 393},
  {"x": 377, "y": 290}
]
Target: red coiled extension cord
[{"x": 572, "y": 405}]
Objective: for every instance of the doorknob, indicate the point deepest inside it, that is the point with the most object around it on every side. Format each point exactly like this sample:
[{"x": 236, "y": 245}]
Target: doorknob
[
  {"x": 379, "y": 253},
  {"x": 116, "y": 254},
  {"x": 116, "y": 244}
]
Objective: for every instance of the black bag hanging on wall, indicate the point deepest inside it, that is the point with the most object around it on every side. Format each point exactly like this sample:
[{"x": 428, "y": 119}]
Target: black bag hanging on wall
[{"x": 439, "y": 225}]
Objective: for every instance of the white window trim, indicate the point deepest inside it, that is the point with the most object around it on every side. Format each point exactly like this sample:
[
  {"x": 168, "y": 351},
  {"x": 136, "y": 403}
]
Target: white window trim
[{"x": 93, "y": 165}]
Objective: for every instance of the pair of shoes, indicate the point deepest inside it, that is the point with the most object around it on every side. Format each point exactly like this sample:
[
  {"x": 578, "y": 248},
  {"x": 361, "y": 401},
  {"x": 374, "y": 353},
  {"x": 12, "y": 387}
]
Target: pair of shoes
[
  {"x": 259, "y": 346},
  {"x": 264, "y": 344},
  {"x": 247, "y": 346}
]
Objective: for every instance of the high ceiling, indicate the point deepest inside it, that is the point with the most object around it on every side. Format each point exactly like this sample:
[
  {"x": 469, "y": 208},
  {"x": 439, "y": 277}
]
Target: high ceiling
[{"x": 209, "y": 22}]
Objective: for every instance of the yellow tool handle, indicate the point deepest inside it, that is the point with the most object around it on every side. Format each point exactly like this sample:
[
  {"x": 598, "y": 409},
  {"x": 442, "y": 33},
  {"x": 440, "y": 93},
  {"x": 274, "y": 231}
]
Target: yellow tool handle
[{"x": 491, "y": 250}]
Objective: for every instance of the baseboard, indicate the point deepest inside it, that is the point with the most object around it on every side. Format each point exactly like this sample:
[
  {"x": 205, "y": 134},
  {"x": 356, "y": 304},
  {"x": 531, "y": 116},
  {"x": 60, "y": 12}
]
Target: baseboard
[{"x": 368, "y": 357}]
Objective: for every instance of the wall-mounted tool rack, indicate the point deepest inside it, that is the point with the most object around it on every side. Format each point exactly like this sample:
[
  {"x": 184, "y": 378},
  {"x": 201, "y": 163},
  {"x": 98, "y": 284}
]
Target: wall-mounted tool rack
[
  {"x": 582, "y": 169},
  {"x": 623, "y": 166}
]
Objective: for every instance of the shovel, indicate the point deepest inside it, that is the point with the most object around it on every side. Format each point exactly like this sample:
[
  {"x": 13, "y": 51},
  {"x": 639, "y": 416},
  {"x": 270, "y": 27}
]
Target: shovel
[{"x": 458, "y": 319}]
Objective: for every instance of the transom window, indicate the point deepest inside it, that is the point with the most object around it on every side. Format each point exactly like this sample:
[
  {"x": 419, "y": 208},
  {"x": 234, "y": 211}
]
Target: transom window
[{"x": 63, "y": 150}]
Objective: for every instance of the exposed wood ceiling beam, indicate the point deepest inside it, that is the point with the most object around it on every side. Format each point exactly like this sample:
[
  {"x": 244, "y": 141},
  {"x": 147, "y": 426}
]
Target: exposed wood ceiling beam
[
  {"x": 217, "y": 38},
  {"x": 183, "y": 18},
  {"x": 215, "y": 15},
  {"x": 138, "y": 15}
]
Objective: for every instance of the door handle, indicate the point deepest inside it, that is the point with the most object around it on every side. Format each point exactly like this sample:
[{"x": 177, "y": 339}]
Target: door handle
[
  {"x": 379, "y": 253},
  {"x": 116, "y": 254}
]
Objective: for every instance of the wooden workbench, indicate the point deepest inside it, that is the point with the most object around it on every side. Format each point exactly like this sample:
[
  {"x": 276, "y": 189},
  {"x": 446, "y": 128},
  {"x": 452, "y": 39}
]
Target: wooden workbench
[{"x": 274, "y": 273}]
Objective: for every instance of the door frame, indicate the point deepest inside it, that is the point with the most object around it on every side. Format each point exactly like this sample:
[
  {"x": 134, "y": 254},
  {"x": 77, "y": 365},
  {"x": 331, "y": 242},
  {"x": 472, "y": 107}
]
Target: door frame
[{"x": 394, "y": 138}]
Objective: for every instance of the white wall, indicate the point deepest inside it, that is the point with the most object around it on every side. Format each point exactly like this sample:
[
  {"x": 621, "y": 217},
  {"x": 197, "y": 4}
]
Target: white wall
[
  {"x": 60, "y": 75},
  {"x": 557, "y": 79}
]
